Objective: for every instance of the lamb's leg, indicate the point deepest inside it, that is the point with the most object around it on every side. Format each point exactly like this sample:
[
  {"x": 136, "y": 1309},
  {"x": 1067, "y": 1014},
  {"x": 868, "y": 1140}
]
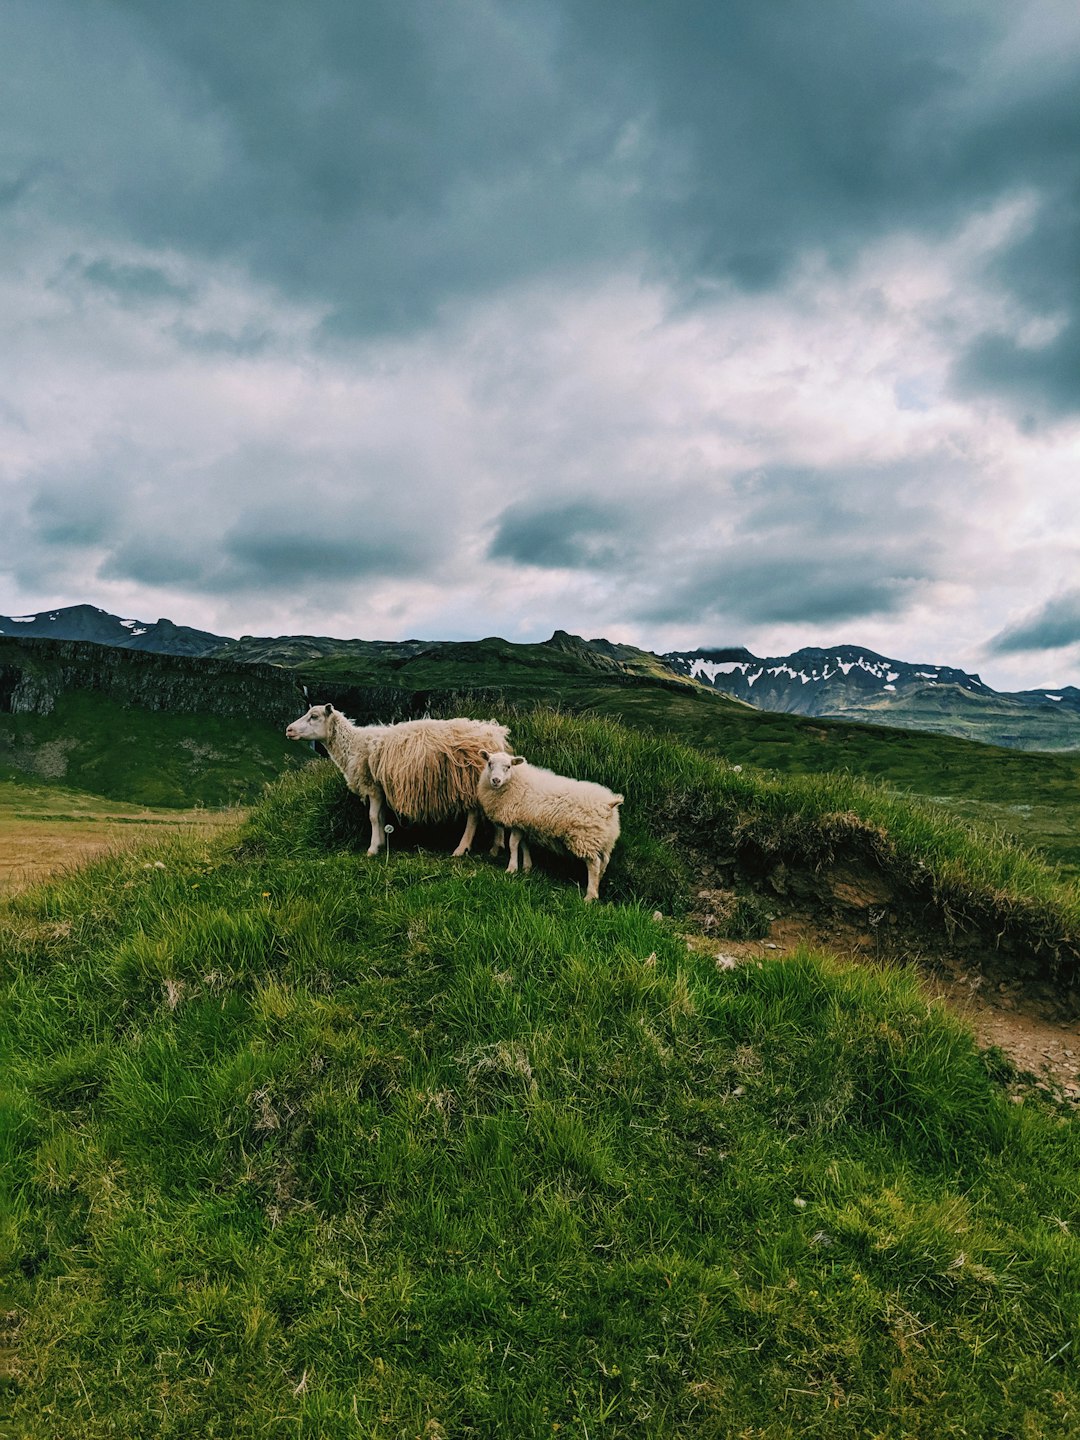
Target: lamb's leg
[
  {"x": 498, "y": 845},
  {"x": 376, "y": 813},
  {"x": 595, "y": 866},
  {"x": 470, "y": 834},
  {"x": 517, "y": 842},
  {"x": 526, "y": 855}
]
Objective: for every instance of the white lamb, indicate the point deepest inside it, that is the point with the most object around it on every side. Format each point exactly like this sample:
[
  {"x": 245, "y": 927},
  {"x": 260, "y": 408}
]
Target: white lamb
[
  {"x": 426, "y": 770},
  {"x": 572, "y": 815}
]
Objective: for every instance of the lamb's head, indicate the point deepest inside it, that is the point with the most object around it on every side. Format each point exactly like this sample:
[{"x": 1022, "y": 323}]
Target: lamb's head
[
  {"x": 498, "y": 765},
  {"x": 315, "y": 725}
]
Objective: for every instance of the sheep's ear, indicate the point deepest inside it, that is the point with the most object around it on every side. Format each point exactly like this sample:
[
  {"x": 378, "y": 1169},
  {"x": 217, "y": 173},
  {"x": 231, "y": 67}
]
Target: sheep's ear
[
  {"x": 328, "y": 710},
  {"x": 517, "y": 759},
  {"x": 618, "y": 800},
  {"x": 484, "y": 756}
]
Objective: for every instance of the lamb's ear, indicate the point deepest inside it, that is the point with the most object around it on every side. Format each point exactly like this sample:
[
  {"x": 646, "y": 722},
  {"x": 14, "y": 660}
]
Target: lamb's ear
[
  {"x": 484, "y": 756},
  {"x": 517, "y": 759},
  {"x": 617, "y": 800},
  {"x": 329, "y": 710}
]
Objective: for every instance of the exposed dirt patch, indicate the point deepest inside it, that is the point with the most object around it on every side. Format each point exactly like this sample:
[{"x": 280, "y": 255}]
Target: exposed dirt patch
[{"x": 852, "y": 912}]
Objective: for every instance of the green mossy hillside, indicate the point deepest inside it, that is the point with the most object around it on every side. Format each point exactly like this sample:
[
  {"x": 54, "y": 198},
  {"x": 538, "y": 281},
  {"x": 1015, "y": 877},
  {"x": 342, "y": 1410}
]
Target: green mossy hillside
[
  {"x": 167, "y": 758},
  {"x": 684, "y": 811},
  {"x": 297, "y": 1143},
  {"x": 1032, "y": 797}
]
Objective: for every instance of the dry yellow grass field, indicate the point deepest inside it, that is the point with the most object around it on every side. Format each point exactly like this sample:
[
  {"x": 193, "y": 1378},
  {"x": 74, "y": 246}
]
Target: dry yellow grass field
[{"x": 45, "y": 830}]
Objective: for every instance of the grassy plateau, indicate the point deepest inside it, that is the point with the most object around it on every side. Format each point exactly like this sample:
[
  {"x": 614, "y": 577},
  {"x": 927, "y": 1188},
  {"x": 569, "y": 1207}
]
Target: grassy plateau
[{"x": 297, "y": 1143}]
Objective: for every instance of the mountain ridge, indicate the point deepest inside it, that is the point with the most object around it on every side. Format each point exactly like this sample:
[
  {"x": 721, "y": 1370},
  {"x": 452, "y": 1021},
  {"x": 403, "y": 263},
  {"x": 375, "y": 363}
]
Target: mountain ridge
[
  {"x": 848, "y": 682},
  {"x": 852, "y": 682},
  {"x": 98, "y": 627}
]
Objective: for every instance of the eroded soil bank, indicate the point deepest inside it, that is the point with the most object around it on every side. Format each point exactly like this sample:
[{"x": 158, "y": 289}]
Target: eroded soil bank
[{"x": 851, "y": 910}]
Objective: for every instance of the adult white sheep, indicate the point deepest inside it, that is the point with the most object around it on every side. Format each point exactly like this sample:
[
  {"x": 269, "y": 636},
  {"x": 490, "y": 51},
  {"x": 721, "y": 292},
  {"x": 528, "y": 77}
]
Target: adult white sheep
[
  {"x": 578, "y": 816},
  {"x": 426, "y": 770}
]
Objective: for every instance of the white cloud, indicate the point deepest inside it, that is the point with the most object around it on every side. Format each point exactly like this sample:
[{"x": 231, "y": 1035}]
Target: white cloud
[{"x": 572, "y": 426}]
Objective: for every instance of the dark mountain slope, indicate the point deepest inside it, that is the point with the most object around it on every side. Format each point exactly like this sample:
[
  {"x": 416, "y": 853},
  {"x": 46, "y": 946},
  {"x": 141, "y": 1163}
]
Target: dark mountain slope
[{"x": 88, "y": 623}]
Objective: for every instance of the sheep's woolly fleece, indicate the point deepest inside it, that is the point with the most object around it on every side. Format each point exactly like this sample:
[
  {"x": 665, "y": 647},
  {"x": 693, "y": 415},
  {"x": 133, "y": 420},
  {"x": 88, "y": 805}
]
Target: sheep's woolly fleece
[
  {"x": 429, "y": 769},
  {"x": 565, "y": 814}
]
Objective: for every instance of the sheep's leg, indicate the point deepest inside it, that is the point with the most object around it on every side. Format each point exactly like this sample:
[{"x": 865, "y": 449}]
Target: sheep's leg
[
  {"x": 498, "y": 845},
  {"x": 470, "y": 834},
  {"x": 595, "y": 867},
  {"x": 376, "y": 811},
  {"x": 519, "y": 846}
]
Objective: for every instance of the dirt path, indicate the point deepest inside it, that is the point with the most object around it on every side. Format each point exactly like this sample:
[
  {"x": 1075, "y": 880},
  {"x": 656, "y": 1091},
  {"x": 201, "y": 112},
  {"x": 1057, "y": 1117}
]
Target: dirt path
[{"x": 1031, "y": 1022}]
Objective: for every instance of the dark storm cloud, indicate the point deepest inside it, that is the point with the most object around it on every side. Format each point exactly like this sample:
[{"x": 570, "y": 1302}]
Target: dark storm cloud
[
  {"x": 131, "y": 283},
  {"x": 289, "y": 555},
  {"x": 1039, "y": 380},
  {"x": 1056, "y": 625},
  {"x": 810, "y": 547},
  {"x": 388, "y": 157},
  {"x": 266, "y": 557},
  {"x": 572, "y": 536},
  {"x": 798, "y": 126},
  {"x": 15, "y": 188},
  {"x": 1037, "y": 139},
  {"x": 820, "y": 127},
  {"x": 76, "y": 510},
  {"x": 866, "y": 506},
  {"x": 378, "y": 158},
  {"x": 758, "y": 585},
  {"x": 150, "y": 558},
  {"x": 247, "y": 342},
  {"x": 312, "y": 518}
]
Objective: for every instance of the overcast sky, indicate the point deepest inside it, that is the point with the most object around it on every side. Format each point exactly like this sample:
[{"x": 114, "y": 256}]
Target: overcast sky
[{"x": 680, "y": 322}]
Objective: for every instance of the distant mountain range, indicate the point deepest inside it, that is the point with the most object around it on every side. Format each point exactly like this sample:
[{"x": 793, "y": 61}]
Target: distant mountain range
[
  {"x": 845, "y": 682},
  {"x": 851, "y": 683},
  {"x": 87, "y": 622}
]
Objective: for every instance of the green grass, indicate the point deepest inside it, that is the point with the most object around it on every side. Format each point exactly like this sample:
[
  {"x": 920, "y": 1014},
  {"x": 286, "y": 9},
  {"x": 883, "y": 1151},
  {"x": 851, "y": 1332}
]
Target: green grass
[
  {"x": 297, "y": 1143},
  {"x": 682, "y": 808},
  {"x": 1032, "y": 797},
  {"x": 159, "y": 758}
]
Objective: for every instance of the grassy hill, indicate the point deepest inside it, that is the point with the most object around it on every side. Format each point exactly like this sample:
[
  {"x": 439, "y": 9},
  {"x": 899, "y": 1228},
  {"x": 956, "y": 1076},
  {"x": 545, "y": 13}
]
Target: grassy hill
[
  {"x": 148, "y": 729},
  {"x": 91, "y": 742},
  {"x": 454, "y": 664},
  {"x": 161, "y": 730},
  {"x": 1034, "y": 797},
  {"x": 995, "y": 719},
  {"x": 301, "y": 1144}
]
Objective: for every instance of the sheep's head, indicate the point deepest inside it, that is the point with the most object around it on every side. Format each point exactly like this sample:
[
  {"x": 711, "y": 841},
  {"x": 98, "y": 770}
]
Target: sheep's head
[
  {"x": 498, "y": 765},
  {"x": 315, "y": 725}
]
